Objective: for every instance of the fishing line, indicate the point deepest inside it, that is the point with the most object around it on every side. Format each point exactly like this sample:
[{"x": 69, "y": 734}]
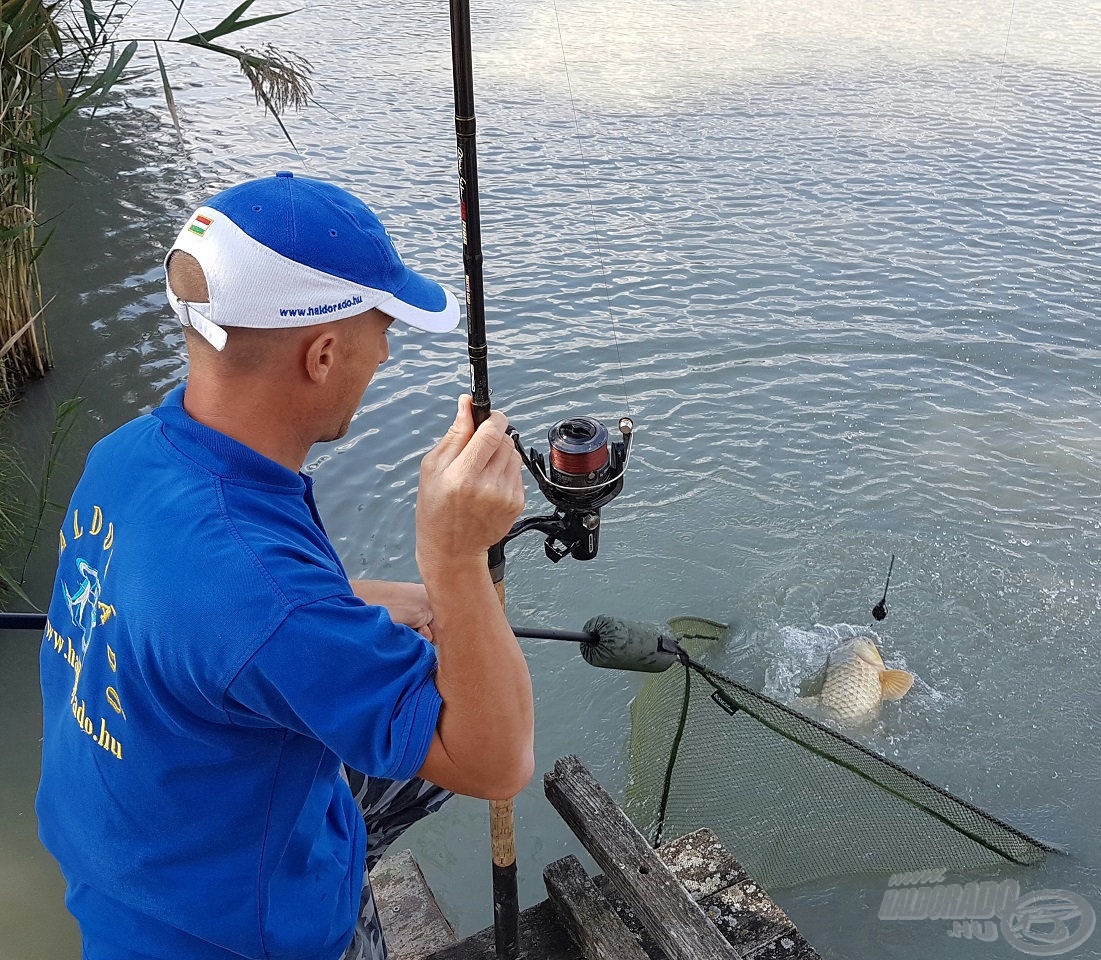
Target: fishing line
[
  {"x": 592, "y": 208},
  {"x": 1008, "y": 31},
  {"x": 1001, "y": 66},
  {"x": 582, "y": 466}
]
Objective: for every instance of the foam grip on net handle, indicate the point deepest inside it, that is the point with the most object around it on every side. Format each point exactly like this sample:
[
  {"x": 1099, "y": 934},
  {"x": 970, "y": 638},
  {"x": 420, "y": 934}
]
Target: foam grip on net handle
[{"x": 626, "y": 645}]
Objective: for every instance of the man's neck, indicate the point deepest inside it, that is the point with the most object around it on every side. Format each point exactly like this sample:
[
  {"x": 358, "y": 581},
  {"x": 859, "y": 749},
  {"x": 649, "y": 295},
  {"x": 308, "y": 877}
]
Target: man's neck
[{"x": 260, "y": 418}]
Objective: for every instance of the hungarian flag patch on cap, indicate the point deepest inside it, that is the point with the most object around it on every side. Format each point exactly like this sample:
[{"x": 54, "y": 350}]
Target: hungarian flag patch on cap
[{"x": 199, "y": 223}]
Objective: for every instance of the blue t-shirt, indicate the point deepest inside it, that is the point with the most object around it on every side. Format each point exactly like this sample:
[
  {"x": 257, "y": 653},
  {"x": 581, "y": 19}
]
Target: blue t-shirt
[{"x": 205, "y": 670}]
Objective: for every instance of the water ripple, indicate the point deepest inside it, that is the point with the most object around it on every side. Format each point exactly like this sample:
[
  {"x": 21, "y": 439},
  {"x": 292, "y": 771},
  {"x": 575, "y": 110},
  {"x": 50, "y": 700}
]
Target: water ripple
[{"x": 842, "y": 265}]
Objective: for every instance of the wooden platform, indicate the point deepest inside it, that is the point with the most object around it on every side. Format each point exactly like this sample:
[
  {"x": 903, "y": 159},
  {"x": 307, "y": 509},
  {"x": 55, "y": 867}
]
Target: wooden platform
[
  {"x": 413, "y": 921},
  {"x": 689, "y": 900}
]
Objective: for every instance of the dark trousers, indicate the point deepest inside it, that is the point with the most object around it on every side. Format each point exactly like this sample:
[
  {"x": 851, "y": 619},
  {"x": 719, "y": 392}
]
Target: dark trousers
[{"x": 389, "y": 807}]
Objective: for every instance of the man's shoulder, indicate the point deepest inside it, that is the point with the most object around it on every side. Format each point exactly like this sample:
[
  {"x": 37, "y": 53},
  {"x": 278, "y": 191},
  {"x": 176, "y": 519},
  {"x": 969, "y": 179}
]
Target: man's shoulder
[
  {"x": 282, "y": 540},
  {"x": 132, "y": 436},
  {"x": 134, "y": 475}
]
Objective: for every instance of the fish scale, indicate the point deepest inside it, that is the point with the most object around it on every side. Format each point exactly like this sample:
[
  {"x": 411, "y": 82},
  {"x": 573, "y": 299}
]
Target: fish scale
[{"x": 851, "y": 690}]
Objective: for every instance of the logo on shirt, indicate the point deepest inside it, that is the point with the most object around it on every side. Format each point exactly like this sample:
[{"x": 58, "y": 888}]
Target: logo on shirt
[
  {"x": 82, "y": 583},
  {"x": 84, "y": 602}
]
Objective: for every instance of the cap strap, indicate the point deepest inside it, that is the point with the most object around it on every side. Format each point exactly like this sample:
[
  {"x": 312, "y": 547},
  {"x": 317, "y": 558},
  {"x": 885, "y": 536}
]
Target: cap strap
[{"x": 192, "y": 315}]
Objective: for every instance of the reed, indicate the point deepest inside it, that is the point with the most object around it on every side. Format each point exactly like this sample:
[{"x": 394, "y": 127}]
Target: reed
[
  {"x": 56, "y": 57},
  {"x": 13, "y": 521},
  {"x": 30, "y": 39},
  {"x": 25, "y": 503}
]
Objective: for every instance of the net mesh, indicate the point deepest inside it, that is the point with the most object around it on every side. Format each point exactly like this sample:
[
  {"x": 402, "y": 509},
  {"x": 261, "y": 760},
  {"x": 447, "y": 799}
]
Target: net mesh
[{"x": 797, "y": 800}]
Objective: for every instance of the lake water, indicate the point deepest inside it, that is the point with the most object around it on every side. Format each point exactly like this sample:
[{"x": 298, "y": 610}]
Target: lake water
[{"x": 841, "y": 261}]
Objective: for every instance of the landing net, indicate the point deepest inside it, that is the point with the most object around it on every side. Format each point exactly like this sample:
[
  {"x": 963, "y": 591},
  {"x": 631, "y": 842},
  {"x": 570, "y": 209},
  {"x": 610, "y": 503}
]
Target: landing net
[{"x": 793, "y": 799}]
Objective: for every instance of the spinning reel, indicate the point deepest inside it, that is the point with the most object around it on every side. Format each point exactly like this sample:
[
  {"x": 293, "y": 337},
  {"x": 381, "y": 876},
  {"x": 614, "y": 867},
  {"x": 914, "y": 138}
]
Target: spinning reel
[{"x": 585, "y": 473}]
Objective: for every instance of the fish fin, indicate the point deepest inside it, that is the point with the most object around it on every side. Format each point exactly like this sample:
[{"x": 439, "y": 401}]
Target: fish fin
[
  {"x": 895, "y": 684},
  {"x": 812, "y": 685}
]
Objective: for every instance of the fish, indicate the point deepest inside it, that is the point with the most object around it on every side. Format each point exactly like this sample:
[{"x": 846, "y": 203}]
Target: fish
[{"x": 853, "y": 683}]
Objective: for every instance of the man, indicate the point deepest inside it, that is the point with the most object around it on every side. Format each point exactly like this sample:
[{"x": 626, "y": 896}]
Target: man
[{"x": 222, "y": 706}]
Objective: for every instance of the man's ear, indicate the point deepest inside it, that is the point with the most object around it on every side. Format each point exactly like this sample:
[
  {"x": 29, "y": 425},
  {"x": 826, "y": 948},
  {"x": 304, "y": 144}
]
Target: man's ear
[{"x": 320, "y": 356}]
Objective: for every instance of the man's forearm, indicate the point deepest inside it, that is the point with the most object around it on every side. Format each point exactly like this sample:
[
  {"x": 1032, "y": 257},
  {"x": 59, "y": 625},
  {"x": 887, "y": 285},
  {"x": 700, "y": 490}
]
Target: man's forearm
[
  {"x": 405, "y": 602},
  {"x": 485, "y": 735}
]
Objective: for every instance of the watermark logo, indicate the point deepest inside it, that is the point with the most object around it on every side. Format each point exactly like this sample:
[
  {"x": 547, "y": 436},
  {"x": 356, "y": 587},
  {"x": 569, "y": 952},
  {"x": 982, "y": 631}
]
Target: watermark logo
[
  {"x": 1040, "y": 923},
  {"x": 1045, "y": 923}
]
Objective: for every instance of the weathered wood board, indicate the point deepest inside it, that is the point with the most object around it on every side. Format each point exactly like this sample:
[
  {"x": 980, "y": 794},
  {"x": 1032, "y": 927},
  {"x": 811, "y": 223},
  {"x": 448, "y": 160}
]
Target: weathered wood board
[
  {"x": 411, "y": 918},
  {"x": 676, "y": 922},
  {"x": 593, "y": 924},
  {"x": 625, "y": 914}
]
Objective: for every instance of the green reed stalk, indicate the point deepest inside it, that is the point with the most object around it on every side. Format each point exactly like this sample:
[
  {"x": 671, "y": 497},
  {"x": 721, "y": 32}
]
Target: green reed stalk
[
  {"x": 56, "y": 57},
  {"x": 29, "y": 38}
]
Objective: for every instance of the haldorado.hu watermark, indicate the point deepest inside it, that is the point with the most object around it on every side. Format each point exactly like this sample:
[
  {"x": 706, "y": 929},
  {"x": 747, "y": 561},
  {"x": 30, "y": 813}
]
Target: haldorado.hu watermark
[{"x": 1041, "y": 923}]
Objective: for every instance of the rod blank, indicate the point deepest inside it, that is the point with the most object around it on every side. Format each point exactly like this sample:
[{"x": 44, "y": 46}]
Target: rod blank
[
  {"x": 23, "y": 621},
  {"x": 538, "y": 633},
  {"x": 37, "y": 621}
]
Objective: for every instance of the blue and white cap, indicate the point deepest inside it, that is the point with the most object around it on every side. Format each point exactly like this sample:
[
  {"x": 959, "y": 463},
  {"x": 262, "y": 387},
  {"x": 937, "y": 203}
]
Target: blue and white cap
[{"x": 288, "y": 251}]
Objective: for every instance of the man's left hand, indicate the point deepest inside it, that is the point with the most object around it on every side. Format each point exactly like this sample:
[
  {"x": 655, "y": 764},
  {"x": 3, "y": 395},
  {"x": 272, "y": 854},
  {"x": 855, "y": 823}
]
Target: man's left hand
[{"x": 405, "y": 602}]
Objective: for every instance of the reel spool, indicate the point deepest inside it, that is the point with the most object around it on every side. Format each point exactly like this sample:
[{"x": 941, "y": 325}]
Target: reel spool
[
  {"x": 585, "y": 472},
  {"x": 578, "y": 452}
]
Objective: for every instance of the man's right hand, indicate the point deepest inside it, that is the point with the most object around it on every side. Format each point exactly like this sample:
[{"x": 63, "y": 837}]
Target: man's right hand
[
  {"x": 471, "y": 489},
  {"x": 471, "y": 492}
]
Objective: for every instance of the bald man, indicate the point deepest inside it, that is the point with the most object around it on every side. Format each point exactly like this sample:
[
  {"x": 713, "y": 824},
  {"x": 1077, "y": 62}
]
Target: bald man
[{"x": 234, "y": 731}]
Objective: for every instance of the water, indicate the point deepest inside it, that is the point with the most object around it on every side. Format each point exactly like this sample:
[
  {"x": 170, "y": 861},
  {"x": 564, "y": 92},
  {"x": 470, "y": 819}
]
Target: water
[{"x": 852, "y": 255}]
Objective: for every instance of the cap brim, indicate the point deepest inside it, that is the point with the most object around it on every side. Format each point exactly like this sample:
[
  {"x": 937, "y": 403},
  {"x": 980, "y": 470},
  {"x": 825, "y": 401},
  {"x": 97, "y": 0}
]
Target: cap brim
[{"x": 424, "y": 304}]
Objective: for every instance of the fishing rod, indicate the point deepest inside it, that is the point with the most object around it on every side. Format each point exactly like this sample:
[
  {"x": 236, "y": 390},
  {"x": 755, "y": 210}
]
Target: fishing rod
[
  {"x": 506, "y": 901},
  {"x": 585, "y": 470},
  {"x": 37, "y": 622}
]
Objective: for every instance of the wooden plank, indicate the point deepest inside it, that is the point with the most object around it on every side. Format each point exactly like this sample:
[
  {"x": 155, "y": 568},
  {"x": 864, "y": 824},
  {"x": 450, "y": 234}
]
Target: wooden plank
[
  {"x": 699, "y": 860},
  {"x": 592, "y": 923},
  {"x": 411, "y": 919},
  {"x": 676, "y": 922},
  {"x": 542, "y": 937},
  {"x": 738, "y": 905},
  {"x": 702, "y": 864}
]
